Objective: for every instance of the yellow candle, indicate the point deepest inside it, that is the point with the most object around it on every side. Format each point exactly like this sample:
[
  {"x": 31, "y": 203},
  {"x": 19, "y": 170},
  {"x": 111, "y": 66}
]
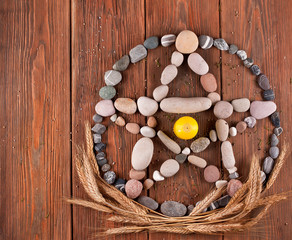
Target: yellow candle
[{"x": 186, "y": 128}]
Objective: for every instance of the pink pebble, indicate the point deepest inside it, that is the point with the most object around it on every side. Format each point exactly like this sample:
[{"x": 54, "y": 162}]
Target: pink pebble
[
  {"x": 133, "y": 188},
  {"x": 211, "y": 174},
  {"x": 233, "y": 186}
]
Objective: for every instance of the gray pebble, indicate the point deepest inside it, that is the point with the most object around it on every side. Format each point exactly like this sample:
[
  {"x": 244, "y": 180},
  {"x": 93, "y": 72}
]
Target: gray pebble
[
  {"x": 96, "y": 138},
  {"x": 97, "y": 118},
  {"x": 268, "y": 165},
  {"x": 122, "y": 64},
  {"x": 107, "y": 92},
  {"x": 98, "y": 128},
  {"x": 255, "y": 69},
  {"x": 223, "y": 201},
  {"x": 250, "y": 121},
  {"x": 234, "y": 175},
  {"x": 106, "y": 167},
  {"x": 173, "y": 209},
  {"x": 278, "y": 131},
  {"x": 274, "y": 152},
  {"x": 181, "y": 158},
  {"x": 120, "y": 184},
  {"x": 151, "y": 42},
  {"x": 100, "y": 156},
  {"x": 248, "y": 62},
  {"x": 148, "y": 202},
  {"x": 99, "y": 146},
  {"x": 274, "y": 140},
  {"x": 263, "y": 176},
  {"x": 200, "y": 144},
  {"x": 263, "y": 82},
  {"x": 268, "y": 95},
  {"x": 213, "y": 206},
  {"x": 109, "y": 177},
  {"x": 102, "y": 162},
  {"x": 205, "y": 42},
  {"x": 221, "y": 44},
  {"x": 138, "y": 53},
  {"x": 168, "y": 40},
  {"x": 190, "y": 209},
  {"x": 232, "y": 49},
  {"x": 204, "y": 210},
  {"x": 241, "y": 54},
  {"x": 275, "y": 118},
  {"x": 112, "y": 77}
]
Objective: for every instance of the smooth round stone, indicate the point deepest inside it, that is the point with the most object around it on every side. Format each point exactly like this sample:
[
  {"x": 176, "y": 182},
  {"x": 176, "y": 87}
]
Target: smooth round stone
[
  {"x": 234, "y": 175},
  {"x": 151, "y": 42},
  {"x": 223, "y": 109},
  {"x": 185, "y": 105},
  {"x": 241, "y": 126},
  {"x": 198, "y": 64},
  {"x": 268, "y": 95},
  {"x": 105, "y": 108},
  {"x": 248, "y": 62},
  {"x": 147, "y": 106},
  {"x": 147, "y": 132},
  {"x": 126, "y": 105},
  {"x": 148, "y": 202},
  {"x": 233, "y": 186},
  {"x": 97, "y": 118},
  {"x": 241, "y": 54},
  {"x": 250, "y": 121},
  {"x": 114, "y": 117},
  {"x": 211, "y": 174},
  {"x": 112, "y": 77},
  {"x": 222, "y": 129},
  {"x": 232, "y": 49},
  {"x": 263, "y": 176},
  {"x": 186, "y": 151},
  {"x": 142, "y": 153},
  {"x": 122, "y": 64},
  {"x": 268, "y": 165},
  {"x": 168, "y": 142},
  {"x": 190, "y": 208},
  {"x": 263, "y": 82},
  {"x": 200, "y": 144},
  {"x": 120, "y": 184},
  {"x": 255, "y": 70},
  {"x": 205, "y": 42},
  {"x": 109, "y": 177},
  {"x": 173, "y": 209},
  {"x": 98, "y": 128},
  {"x": 133, "y": 128},
  {"x": 160, "y": 92},
  {"x": 138, "y": 53},
  {"x": 241, "y": 104},
  {"x": 274, "y": 140},
  {"x": 152, "y": 122},
  {"x": 133, "y": 188},
  {"x": 157, "y": 176},
  {"x": 227, "y": 155},
  {"x": 180, "y": 158},
  {"x": 213, "y": 135},
  {"x": 221, "y": 183},
  {"x": 274, "y": 152},
  {"x": 186, "y": 42},
  {"x": 100, "y": 155},
  {"x": 278, "y": 131},
  {"x": 221, "y": 44},
  {"x": 197, "y": 161},
  {"x": 168, "y": 74},
  {"x": 107, "y": 92},
  {"x": 138, "y": 175},
  {"x": 275, "y": 118},
  {"x": 106, "y": 167},
  {"x": 262, "y": 109},
  {"x": 169, "y": 168},
  {"x": 148, "y": 183},
  {"x": 214, "y": 97},
  {"x": 232, "y": 131},
  {"x": 120, "y": 121},
  {"x": 102, "y": 162},
  {"x": 208, "y": 82},
  {"x": 96, "y": 138},
  {"x": 168, "y": 40},
  {"x": 177, "y": 58}
]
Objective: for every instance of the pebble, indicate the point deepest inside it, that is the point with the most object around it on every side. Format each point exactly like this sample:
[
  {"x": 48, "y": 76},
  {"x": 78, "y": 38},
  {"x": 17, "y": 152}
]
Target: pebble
[
  {"x": 138, "y": 175},
  {"x": 122, "y": 64},
  {"x": 227, "y": 155},
  {"x": 208, "y": 82},
  {"x": 234, "y": 175},
  {"x": 107, "y": 92},
  {"x": 105, "y": 108},
  {"x": 168, "y": 74},
  {"x": 125, "y": 105},
  {"x": 147, "y": 106},
  {"x": 223, "y": 109},
  {"x": 177, "y": 58},
  {"x": 241, "y": 126},
  {"x": 274, "y": 140},
  {"x": 263, "y": 82},
  {"x": 248, "y": 62},
  {"x": 185, "y": 105},
  {"x": 278, "y": 131},
  {"x": 233, "y": 186},
  {"x": 181, "y": 157},
  {"x": 168, "y": 40},
  {"x": 211, "y": 174},
  {"x": 232, "y": 131},
  {"x": 274, "y": 152},
  {"x": 275, "y": 118},
  {"x": 99, "y": 146},
  {"x": 148, "y": 183},
  {"x": 98, "y": 128},
  {"x": 223, "y": 201},
  {"x": 205, "y": 42},
  {"x": 241, "y": 104},
  {"x": 200, "y": 144},
  {"x": 106, "y": 167},
  {"x": 221, "y": 183},
  {"x": 160, "y": 92},
  {"x": 114, "y": 117},
  {"x": 152, "y": 122},
  {"x": 96, "y": 138},
  {"x": 100, "y": 156},
  {"x": 232, "y": 49},
  {"x": 186, "y": 42},
  {"x": 157, "y": 176},
  {"x": 232, "y": 170},
  {"x": 173, "y": 209},
  {"x": 109, "y": 177},
  {"x": 204, "y": 210},
  {"x": 190, "y": 208},
  {"x": 112, "y": 77},
  {"x": 151, "y": 42},
  {"x": 186, "y": 151},
  {"x": 214, "y": 97},
  {"x": 120, "y": 121},
  {"x": 222, "y": 129},
  {"x": 169, "y": 168},
  {"x": 241, "y": 54},
  {"x": 198, "y": 64},
  {"x": 268, "y": 165},
  {"x": 263, "y": 176},
  {"x": 133, "y": 188},
  {"x": 102, "y": 162},
  {"x": 168, "y": 142},
  {"x": 133, "y": 128},
  {"x": 142, "y": 153},
  {"x": 213, "y": 135},
  {"x": 268, "y": 95},
  {"x": 221, "y": 44},
  {"x": 262, "y": 109},
  {"x": 120, "y": 184},
  {"x": 148, "y": 202},
  {"x": 97, "y": 118},
  {"x": 147, "y": 132},
  {"x": 197, "y": 161},
  {"x": 138, "y": 53},
  {"x": 250, "y": 121},
  {"x": 255, "y": 70}
]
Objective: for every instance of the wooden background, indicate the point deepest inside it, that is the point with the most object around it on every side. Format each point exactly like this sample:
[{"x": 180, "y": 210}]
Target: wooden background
[{"x": 53, "y": 55}]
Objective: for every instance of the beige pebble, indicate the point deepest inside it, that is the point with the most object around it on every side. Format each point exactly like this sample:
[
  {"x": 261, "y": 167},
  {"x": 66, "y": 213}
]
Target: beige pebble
[
  {"x": 222, "y": 129},
  {"x": 197, "y": 161},
  {"x": 214, "y": 97},
  {"x": 133, "y": 128},
  {"x": 147, "y": 132},
  {"x": 135, "y": 174},
  {"x": 152, "y": 122},
  {"x": 177, "y": 58},
  {"x": 208, "y": 82},
  {"x": 160, "y": 92},
  {"x": 148, "y": 183},
  {"x": 168, "y": 142},
  {"x": 169, "y": 168},
  {"x": 186, "y": 42},
  {"x": 223, "y": 109},
  {"x": 125, "y": 105},
  {"x": 221, "y": 183},
  {"x": 241, "y": 104},
  {"x": 213, "y": 135},
  {"x": 198, "y": 64},
  {"x": 120, "y": 121},
  {"x": 241, "y": 126},
  {"x": 227, "y": 155}
]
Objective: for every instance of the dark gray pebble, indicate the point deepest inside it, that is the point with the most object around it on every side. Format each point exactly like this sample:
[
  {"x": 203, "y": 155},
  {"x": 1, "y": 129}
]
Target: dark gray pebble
[
  {"x": 234, "y": 175},
  {"x": 275, "y": 118},
  {"x": 173, "y": 209},
  {"x": 99, "y": 156},
  {"x": 268, "y": 165},
  {"x": 274, "y": 152},
  {"x": 232, "y": 49},
  {"x": 278, "y": 131},
  {"x": 241, "y": 54},
  {"x": 190, "y": 209},
  {"x": 106, "y": 167},
  {"x": 107, "y": 92},
  {"x": 96, "y": 138},
  {"x": 223, "y": 201},
  {"x": 148, "y": 202},
  {"x": 263, "y": 82},
  {"x": 255, "y": 69},
  {"x": 274, "y": 140},
  {"x": 109, "y": 177},
  {"x": 122, "y": 64},
  {"x": 221, "y": 44},
  {"x": 168, "y": 40},
  {"x": 151, "y": 42},
  {"x": 120, "y": 184},
  {"x": 181, "y": 158},
  {"x": 98, "y": 128},
  {"x": 268, "y": 95},
  {"x": 213, "y": 206},
  {"x": 97, "y": 118},
  {"x": 99, "y": 146},
  {"x": 138, "y": 53},
  {"x": 248, "y": 62},
  {"x": 102, "y": 162},
  {"x": 205, "y": 42},
  {"x": 250, "y": 121}
]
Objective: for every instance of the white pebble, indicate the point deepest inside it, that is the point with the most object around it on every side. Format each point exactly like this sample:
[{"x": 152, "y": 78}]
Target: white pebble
[
  {"x": 177, "y": 58},
  {"x": 114, "y": 117},
  {"x": 186, "y": 151},
  {"x": 213, "y": 135},
  {"x": 157, "y": 176},
  {"x": 263, "y": 176},
  {"x": 147, "y": 132},
  {"x": 221, "y": 183},
  {"x": 232, "y": 132},
  {"x": 232, "y": 170}
]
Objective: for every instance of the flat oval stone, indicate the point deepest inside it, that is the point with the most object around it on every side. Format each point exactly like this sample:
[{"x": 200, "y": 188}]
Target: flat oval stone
[
  {"x": 275, "y": 119},
  {"x": 177, "y": 58},
  {"x": 185, "y": 105},
  {"x": 186, "y": 42},
  {"x": 169, "y": 168},
  {"x": 147, "y": 132},
  {"x": 122, "y": 64},
  {"x": 213, "y": 135},
  {"x": 241, "y": 126},
  {"x": 138, "y": 53},
  {"x": 241, "y": 54},
  {"x": 142, "y": 153},
  {"x": 173, "y": 209},
  {"x": 274, "y": 152},
  {"x": 233, "y": 186},
  {"x": 214, "y": 97},
  {"x": 263, "y": 82},
  {"x": 223, "y": 109},
  {"x": 197, "y": 161},
  {"x": 112, "y": 77},
  {"x": 268, "y": 95},
  {"x": 152, "y": 122},
  {"x": 120, "y": 121},
  {"x": 168, "y": 142},
  {"x": 168, "y": 74},
  {"x": 198, "y": 64},
  {"x": 186, "y": 151},
  {"x": 262, "y": 109},
  {"x": 232, "y": 49},
  {"x": 126, "y": 105},
  {"x": 222, "y": 129},
  {"x": 211, "y": 174},
  {"x": 255, "y": 69},
  {"x": 232, "y": 131},
  {"x": 105, "y": 108},
  {"x": 109, "y": 177},
  {"x": 241, "y": 104},
  {"x": 133, "y": 128},
  {"x": 151, "y": 42},
  {"x": 227, "y": 155},
  {"x": 268, "y": 165},
  {"x": 147, "y": 106},
  {"x": 160, "y": 92},
  {"x": 135, "y": 174},
  {"x": 250, "y": 121},
  {"x": 200, "y": 144},
  {"x": 148, "y": 183},
  {"x": 248, "y": 62},
  {"x": 168, "y": 40},
  {"x": 208, "y": 82},
  {"x": 205, "y": 42},
  {"x": 180, "y": 158},
  {"x": 274, "y": 140},
  {"x": 107, "y": 92},
  {"x": 133, "y": 188},
  {"x": 221, "y": 44},
  {"x": 157, "y": 176},
  {"x": 148, "y": 202}
]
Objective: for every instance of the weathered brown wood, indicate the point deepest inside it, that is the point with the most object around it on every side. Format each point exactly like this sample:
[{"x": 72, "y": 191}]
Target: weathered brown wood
[{"x": 35, "y": 120}]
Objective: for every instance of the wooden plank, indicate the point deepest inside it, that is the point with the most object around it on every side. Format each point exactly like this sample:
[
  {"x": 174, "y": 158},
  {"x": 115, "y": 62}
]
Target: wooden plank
[
  {"x": 35, "y": 119},
  {"x": 263, "y": 29}
]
